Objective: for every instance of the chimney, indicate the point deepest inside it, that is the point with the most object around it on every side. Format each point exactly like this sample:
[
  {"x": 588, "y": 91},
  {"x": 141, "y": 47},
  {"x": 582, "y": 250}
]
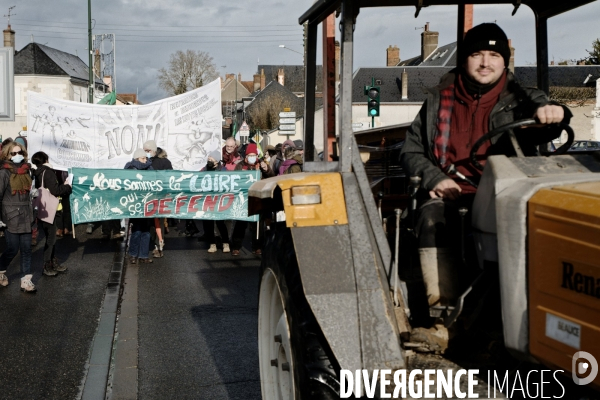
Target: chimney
[
  {"x": 281, "y": 76},
  {"x": 468, "y": 18},
  {"x": 9, "y": 37},
  {"x": 511, "y": 61},
  {"x": 429, "y": 42},
  {"x": 404, "y": 85},
  {"x": 337, "y": 60},
  {"x": 262, "y": 79},
  {"x": 256, "y": 82},
  {"x": 239, "y": 76},
  {"x": 393, "y": 56}
]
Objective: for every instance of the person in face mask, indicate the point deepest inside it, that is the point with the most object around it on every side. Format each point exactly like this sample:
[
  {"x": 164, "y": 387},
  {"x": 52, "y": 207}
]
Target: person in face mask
[
  {"x": 17, "y": 213},
  {"x": 250, "y": 162}
]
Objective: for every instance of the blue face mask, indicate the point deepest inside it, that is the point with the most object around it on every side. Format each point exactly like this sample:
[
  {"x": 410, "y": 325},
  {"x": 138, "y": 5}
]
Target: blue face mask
[
  {"x": 17, "y": 159},
  {"x": 149, "y": 155},
  {"x": 251, "y": 159}
]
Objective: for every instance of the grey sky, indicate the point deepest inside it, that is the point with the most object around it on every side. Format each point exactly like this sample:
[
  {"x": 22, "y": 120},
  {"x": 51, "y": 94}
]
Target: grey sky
[{"x": 240, "y": 34}]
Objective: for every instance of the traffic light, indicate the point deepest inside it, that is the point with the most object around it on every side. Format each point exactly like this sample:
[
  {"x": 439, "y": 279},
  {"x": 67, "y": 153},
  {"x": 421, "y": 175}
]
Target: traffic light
[{"x": 372, "y": 93}]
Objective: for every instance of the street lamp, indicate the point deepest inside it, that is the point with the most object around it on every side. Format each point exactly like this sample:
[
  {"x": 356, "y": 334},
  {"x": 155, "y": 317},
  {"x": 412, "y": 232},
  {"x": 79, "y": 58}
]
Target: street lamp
[{"x": 283, "y": 46}]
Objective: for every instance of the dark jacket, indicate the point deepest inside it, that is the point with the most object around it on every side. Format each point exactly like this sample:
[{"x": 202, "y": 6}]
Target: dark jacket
[
  {"x": 17, "y": 212},
  {"x": 50, "y": 181},
  {"x": 135, "y": 164},
  {"x": 161, "y": 163},
  {"x": 515, "y": 103}
]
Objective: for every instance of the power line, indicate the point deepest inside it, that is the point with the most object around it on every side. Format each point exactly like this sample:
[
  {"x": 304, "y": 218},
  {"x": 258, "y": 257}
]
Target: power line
[
  {"x": 158, "y": 30},
  {"x": 163, "y": 36},
  {"x": 170, "y": 41},
  {"x": 157, "y": 26}
]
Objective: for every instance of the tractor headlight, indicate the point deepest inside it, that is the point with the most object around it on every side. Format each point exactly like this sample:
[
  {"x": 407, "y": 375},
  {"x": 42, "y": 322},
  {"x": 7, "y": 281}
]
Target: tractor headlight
[{"x": 310, "y": 194}]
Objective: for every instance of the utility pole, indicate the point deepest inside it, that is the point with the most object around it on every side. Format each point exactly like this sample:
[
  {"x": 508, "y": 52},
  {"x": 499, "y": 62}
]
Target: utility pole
[{"x": 91, "y": 61}]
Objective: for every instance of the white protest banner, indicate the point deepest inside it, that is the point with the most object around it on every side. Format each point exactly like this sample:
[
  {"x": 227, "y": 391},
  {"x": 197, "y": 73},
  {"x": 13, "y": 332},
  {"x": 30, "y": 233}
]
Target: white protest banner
[{"x": 73, "y": 134}]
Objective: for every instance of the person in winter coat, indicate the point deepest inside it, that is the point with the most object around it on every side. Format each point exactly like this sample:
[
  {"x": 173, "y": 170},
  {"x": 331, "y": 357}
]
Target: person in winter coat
[
  {"x": 45, "y": 176},
  {"x": 481, "y": 94},
  {"x": 278, "y": 162},
  {"x": 293, "y": 162},
  {"x": 63, "y": 218},
  {"x": 139, "y": 244},
  {"x": 230, "y": 154},
  {"x": 250, "y": 162},
  {"x": 160, "y": 162},
  {"x": 208, "y": 225},
  {"x": 16, "y": 211}
]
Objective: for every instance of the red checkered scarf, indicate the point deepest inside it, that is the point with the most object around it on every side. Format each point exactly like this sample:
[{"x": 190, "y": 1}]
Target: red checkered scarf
[
  {"x": 442, "y": 134},
  {"x": 20, "y": 180}
]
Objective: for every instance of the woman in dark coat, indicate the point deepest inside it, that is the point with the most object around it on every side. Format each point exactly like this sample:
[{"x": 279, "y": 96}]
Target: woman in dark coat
[
  {"x": 17, "y": 213},
  {"x": 139, "y": 244},
  {"x": 45, "y": 174}
]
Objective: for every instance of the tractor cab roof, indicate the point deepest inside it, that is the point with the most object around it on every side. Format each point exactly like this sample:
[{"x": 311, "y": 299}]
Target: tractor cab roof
[{"x": 542, "y": 8}]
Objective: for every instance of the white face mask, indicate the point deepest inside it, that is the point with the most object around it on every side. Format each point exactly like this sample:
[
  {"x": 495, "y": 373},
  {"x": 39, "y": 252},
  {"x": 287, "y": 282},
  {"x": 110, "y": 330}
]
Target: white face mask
[
  {"x": 267, "y": 158},
  {"x": 17, "y": 159},
  {"x": 251, "y": 159},
  {"x": 149, "y": 155}
]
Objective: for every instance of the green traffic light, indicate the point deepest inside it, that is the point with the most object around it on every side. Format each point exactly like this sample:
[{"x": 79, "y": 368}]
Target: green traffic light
[{"x": 373, "y": 112}]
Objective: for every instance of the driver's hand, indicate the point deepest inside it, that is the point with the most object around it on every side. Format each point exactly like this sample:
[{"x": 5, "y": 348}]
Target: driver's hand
[
  {"x": 446, "y": 189},
  {"x": 550, "y": 114}
]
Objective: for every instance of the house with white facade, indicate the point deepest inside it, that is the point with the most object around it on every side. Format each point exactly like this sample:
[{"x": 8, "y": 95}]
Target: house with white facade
[{"x": 52, "y": 72}]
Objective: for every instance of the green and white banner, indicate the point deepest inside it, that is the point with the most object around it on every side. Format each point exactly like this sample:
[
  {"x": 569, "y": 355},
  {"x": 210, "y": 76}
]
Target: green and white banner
[{"x": 128, "y": 193}]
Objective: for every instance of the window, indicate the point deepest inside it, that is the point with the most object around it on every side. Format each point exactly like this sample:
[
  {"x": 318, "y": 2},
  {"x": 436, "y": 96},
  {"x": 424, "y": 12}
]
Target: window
[{"x": 593, "y": 145}]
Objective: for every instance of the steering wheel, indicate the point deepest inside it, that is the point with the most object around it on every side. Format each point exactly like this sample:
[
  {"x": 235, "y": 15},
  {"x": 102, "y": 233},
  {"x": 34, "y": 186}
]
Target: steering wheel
[{"x": 517, "y": 124}]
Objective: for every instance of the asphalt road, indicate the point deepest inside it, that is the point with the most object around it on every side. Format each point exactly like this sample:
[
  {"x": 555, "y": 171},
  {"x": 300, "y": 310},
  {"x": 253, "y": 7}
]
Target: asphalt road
[
  {"x": 186, "y": 327},
  {"x": 197, "y": 324},
  {"x": 46, "y": 337}
]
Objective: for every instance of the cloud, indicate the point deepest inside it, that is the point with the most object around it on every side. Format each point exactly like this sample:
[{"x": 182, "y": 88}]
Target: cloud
[{"x": 145, "y": 31}]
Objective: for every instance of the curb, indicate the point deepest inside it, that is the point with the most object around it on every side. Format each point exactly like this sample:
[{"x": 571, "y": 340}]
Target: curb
[{"x": 101, "y": 349}]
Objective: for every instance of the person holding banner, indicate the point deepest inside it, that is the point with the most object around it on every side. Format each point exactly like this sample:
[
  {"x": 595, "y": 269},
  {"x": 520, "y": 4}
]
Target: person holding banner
[
  {"x": 16, "y": 211},
  {"x": 159, "y": 160},
  {"x": 230, "y": 154},
  {"x": 208, "y": 225},
  {"x": 45, "y": 176},
  {"x": 139, "y": 244},
  {"x": 250, "y": 162}
]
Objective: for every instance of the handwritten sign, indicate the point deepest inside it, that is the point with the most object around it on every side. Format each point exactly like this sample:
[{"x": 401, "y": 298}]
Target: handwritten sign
[{"x": 100, "y": 195}]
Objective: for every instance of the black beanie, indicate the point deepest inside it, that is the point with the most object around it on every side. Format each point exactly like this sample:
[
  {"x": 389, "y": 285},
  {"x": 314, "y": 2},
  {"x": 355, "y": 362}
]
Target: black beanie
[{"x": 486, "y": 36}]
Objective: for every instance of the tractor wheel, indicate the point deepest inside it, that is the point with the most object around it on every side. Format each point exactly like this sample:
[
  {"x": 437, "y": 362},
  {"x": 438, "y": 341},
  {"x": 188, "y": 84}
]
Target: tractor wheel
[{"x": 293, "y": 362}]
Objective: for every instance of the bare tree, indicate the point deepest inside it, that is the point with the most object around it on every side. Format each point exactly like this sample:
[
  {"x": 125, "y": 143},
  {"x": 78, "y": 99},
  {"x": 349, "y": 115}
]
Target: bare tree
[{"x": 187, "y": 71}]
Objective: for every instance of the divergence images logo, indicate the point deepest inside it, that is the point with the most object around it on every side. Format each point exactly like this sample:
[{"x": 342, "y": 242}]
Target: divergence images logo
[{"x": 583, "y": 362}]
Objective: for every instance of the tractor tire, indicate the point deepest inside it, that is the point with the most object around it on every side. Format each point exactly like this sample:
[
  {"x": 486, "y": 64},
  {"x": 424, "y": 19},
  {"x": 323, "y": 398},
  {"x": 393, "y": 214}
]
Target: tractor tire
[{"x": 295, "y": 361}]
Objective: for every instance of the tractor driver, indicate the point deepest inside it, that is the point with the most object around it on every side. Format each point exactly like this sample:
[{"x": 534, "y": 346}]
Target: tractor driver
[{"x": 479, "y": 95}]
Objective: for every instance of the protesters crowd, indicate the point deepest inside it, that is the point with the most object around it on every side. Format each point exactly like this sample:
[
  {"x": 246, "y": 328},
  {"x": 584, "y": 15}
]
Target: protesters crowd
[{"x": 34, "y": 197}]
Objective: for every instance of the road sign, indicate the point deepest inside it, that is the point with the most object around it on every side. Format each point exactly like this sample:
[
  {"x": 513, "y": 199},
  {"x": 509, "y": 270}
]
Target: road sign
[
  {"x": 357, "y": 125},
  {"x": 244, "y": 129},
  {"x": 287, "y": 114},
  {"x": 287, "y": 127},
  {"x": 287, "y": 121},
  {"x": 287, "y": 109}
]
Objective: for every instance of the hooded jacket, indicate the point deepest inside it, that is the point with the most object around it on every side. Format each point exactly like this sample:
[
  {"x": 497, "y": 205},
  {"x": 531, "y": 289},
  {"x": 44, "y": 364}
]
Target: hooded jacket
[
  {"x": 291, "y": 166},
  {"x": 515, "y": 103},
  {"x": 160, "y": 161}
]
